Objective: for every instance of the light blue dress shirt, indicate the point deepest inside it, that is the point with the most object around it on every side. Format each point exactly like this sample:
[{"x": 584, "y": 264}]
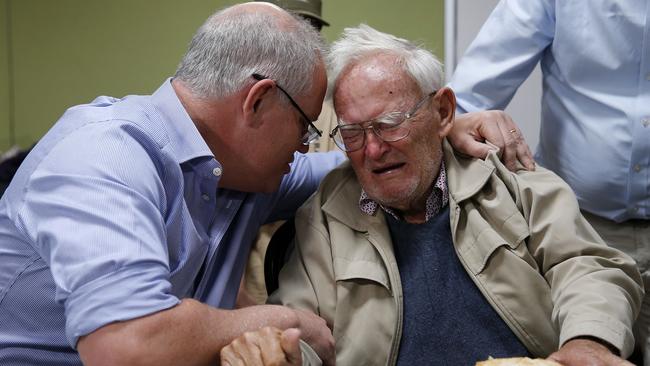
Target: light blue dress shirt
[
  {"x": 595, "y": 60},
  {"x": 115, "y": 214}
]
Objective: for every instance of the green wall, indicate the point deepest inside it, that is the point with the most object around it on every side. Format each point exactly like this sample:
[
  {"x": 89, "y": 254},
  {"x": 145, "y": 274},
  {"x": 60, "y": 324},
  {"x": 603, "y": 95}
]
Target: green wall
[
  {"x": 417, "y": 20},
  {"x": 67, "y": 52},
  {"x": 5, "y": 104}
]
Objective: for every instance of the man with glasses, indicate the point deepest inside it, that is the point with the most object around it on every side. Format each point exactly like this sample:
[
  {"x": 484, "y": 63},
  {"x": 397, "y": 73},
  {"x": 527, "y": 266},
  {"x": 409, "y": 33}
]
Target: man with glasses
[
  {"x": 124, "y": 234},
  {"x": 414, "y": 254}
]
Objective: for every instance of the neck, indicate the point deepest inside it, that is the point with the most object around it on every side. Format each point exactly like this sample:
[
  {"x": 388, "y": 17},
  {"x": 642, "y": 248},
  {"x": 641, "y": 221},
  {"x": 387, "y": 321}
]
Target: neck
[
  {"x": 414, "y": 217},
  {"x": 215, "y": 119},
  {"x": 416, "y": 213}
]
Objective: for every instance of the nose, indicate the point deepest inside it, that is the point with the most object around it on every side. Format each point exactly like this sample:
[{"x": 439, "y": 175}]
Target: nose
[{"x": 375, "y": 147}]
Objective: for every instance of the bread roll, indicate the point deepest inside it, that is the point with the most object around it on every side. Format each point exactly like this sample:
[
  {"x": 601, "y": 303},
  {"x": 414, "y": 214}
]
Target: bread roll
[{"x": 517, "y": 361}]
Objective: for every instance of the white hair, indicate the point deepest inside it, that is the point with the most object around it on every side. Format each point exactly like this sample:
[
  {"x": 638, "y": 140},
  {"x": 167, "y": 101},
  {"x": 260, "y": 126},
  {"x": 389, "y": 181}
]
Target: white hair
[
  {"x": 230, "y": 46},
  {"x": 357, "y": 43}
]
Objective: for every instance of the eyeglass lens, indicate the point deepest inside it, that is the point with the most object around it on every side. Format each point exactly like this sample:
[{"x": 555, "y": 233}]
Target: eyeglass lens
[{"x": 352, "y": 137}]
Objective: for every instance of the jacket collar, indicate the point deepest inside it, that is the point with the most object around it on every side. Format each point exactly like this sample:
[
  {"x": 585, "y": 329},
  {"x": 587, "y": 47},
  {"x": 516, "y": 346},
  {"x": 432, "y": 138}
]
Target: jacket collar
[
  {"x": 342, "y": 204},
  {"x": 465, "y": 177}
]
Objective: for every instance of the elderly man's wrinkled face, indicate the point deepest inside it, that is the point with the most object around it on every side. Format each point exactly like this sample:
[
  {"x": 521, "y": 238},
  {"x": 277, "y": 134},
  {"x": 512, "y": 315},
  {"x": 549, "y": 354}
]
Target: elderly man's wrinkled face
[{"x": 397, "y": 174}]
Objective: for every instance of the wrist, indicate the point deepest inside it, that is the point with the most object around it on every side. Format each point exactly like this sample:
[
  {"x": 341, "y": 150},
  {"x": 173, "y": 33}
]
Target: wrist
[
  {"x": 290, "y": 318},
  {"x": 611, "y": 348}
]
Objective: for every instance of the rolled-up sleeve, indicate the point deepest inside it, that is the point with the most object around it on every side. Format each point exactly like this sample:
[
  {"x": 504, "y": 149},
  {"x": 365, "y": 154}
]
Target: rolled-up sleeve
[{"x": 96, "y": 216}]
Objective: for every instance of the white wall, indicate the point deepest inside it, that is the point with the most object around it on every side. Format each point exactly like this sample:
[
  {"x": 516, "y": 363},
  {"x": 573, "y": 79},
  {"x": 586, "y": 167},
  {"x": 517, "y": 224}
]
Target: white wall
[{"x": 463, "y": 20}]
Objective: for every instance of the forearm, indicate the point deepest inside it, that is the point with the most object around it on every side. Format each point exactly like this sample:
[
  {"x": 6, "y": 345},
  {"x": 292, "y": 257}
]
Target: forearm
[
  {"x": 503, "y": 54},
  {"x": 191, "y": 333}
]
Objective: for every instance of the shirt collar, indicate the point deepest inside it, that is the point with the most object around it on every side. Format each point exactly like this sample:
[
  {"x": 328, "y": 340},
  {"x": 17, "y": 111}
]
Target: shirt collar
[
  {"x": 184, "y": 137},
  {"x": 437, "y": 200}
]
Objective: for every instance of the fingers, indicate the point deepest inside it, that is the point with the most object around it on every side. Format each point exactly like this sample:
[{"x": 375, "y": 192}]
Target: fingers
[
  {"x": 270, "y": 343},
  {"x": 511, "y": 139},
  {"x": 467, "y": 138},
  {"x": 468, "y": 146},
  {"x": 234, "y": 355},
  {"x": 580, "y": 352},
  {"x": 290, "y": 343},
  {"x": 265, "y": 346},
  {"x": 470, "y": 130},
  {"x": 515, "y": 149},
  {"x": 521, "y": 148},
  {"x": 317, "y": 334}
]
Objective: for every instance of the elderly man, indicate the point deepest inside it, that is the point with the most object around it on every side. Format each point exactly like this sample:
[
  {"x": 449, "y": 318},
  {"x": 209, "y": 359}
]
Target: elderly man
[{"x": 416, "y": 255}]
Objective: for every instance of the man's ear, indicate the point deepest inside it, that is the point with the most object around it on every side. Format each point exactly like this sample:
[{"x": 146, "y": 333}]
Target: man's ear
[
  {"x": 446, "y": 101},
  {"x": 257, "y": 102}
]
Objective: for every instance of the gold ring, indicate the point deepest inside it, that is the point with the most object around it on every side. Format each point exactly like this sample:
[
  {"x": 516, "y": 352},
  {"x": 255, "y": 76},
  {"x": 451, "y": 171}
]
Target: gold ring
[{"x": 513, "y": 130}]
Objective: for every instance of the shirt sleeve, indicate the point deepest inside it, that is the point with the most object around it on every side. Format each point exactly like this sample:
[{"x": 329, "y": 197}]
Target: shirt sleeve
[
  {"x": 307, "y": 171},
  {"x": 503, "y": 54},
  {"x": 94, "y": 212}
]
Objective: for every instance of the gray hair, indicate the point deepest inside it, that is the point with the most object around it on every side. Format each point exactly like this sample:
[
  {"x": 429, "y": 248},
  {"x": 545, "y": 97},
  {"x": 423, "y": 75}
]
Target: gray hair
[
  {"x": 232, "y": 45},
  {"x": 357, "y": 43}
]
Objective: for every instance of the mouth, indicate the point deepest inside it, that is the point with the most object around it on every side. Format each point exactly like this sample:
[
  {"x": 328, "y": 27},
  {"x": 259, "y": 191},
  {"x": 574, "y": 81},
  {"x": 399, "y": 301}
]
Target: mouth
[{"x": 388, "y": 169}]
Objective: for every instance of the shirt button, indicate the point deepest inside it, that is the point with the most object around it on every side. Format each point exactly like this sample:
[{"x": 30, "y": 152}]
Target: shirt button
[
  {"x": 217, "y": 172},
  {"x": 646, "y": 122},
  {"x": 205, "y": 197},
  {"x": 647, "y": 76},
  {"x": 637, "y": 168}
]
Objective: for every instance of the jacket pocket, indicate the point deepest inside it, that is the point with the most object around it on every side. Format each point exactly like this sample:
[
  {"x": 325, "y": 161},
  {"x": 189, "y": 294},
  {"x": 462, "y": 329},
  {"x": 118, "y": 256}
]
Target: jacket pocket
[
  {"x": 360, "y": 271},
  {"x": 366, "y": 315},
  {"x": 510, "y": 233}
]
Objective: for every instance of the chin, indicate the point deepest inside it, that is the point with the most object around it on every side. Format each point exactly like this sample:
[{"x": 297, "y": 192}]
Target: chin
[
  {"x": 272, "y": 184},
  {"x": 261, "y": 185},
  {"x": 394, "y": 197}
]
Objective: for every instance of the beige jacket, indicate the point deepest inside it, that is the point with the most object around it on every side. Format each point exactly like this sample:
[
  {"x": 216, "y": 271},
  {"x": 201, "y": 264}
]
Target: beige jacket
[{"x": 520, "y": 237}]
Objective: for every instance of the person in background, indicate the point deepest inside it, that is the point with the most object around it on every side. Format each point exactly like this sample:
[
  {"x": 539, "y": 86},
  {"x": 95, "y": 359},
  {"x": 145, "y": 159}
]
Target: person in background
[
  {"x": 415, "y": 254},
  {"x": 9, "y": 162},
  {"x": 595, "y": 122}
]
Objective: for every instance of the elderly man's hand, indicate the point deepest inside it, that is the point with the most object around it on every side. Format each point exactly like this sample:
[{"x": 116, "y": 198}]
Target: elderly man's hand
[
  {"x": 586, "y": 352},
  {"x": 470, "y": 130},
  {"x": 267, "y": 346}
]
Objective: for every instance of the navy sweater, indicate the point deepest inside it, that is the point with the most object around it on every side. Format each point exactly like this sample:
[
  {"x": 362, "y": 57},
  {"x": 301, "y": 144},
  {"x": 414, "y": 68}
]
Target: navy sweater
[{"x": 447, "y": 321}]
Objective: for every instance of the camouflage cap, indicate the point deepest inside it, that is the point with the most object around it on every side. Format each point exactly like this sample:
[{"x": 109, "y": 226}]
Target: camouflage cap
[{"x": 307, "y": 8}]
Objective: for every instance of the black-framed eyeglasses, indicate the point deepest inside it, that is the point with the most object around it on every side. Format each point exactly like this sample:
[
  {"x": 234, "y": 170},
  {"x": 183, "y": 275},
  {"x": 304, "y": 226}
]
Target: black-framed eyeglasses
[
  {"x": 311, "y": 132},
  {"x": 389, "y": 127}
]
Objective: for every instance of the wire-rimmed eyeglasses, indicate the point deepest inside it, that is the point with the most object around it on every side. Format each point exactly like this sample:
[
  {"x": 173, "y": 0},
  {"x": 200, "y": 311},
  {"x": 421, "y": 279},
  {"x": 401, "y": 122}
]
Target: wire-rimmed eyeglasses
[
  {"x": 311, "y": 132},
  {"x": 388, "y": 127}
]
